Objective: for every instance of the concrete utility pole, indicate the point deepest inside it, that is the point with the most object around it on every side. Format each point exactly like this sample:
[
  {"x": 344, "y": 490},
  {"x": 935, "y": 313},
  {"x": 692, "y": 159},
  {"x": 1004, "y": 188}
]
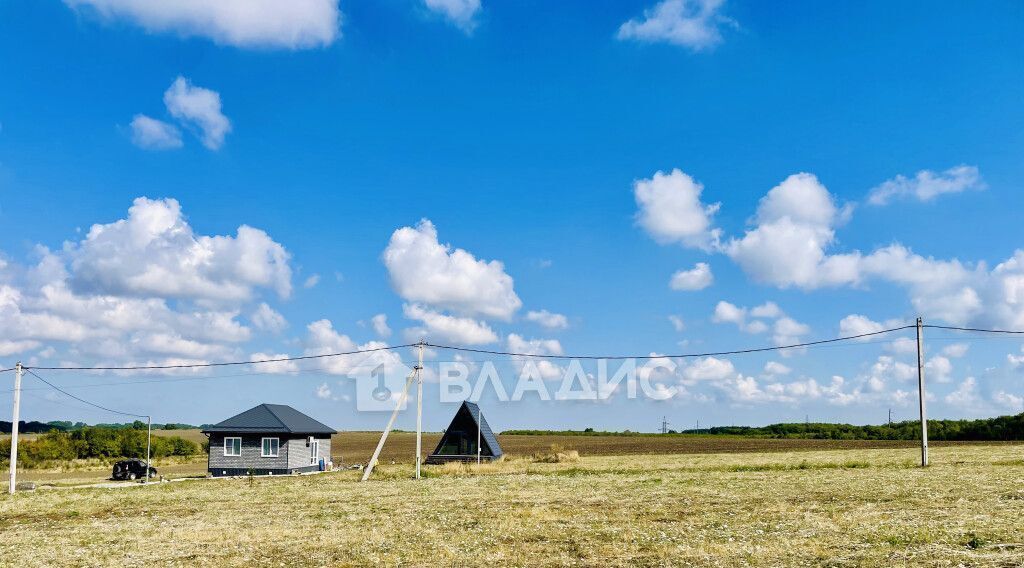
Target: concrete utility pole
[
  {"x": 920, "y": 394},
  {"x": 387, "y": 429},
  {"x": 419, "y": 411},
  {"x": 149, "y": 443},
  {"x": 14, "y": 427}
]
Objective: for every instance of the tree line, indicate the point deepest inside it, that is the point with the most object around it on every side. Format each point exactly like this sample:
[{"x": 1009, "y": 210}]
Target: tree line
[
  {"x": 35, "y": 427},
  {"x": 985, "y": 429},
  {"x": 94, "y": 442}
]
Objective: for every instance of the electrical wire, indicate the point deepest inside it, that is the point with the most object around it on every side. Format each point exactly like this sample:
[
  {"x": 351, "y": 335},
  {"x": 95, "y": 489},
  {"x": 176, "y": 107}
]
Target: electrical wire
[
  {"x": 225, "y": 364},
  {"x": 56, "y": 388},
  {"x": 517, "y": 354},
  {"x": 974, "y": 329},
  {"x": 676, "y": 356}
]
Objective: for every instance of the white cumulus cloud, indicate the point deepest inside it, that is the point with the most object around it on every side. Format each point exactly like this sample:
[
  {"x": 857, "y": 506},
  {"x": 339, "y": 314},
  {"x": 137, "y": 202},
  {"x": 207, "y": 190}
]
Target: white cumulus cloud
[
  {"x": 380, "y": 325},
  {"x": 268, "y": 319},
  {"x": 794, "y": 225},
  {"x": 786, "y": 330},
  {"x": 670, "y": 210},
  {"x": 548, "y": 319},
  {"x": 461, "y": 13},
  {"x": 143, "y": 290},
  {"x": 706, "y": 369},
  {"x": 696, "y": 278},
  {"x": 677, "y": 323},
  {"x": 459, "y": 330},
  {"x": 154, "y": 252},
  {"x": 545, "y": 368},
  {"x": 426, "y": 271},
  {"x": 153, "y": 134},
  {"x": 966, "y": 395},
  {"x": 200, "y": 109},
  {"x": 1011, "y": 401},
  {"x": 292, "y": 24},
  {"x": 274, "y": 366},
  {"x": 323, "y": 339},
  {"x": 927, "y": 185},
  {"x": 690, "y": 23}
]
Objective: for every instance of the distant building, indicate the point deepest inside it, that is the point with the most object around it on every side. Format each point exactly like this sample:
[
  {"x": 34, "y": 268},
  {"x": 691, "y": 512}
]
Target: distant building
[
  {"x": 459, "y": 442},
  {"x": 270, "y": 439}
]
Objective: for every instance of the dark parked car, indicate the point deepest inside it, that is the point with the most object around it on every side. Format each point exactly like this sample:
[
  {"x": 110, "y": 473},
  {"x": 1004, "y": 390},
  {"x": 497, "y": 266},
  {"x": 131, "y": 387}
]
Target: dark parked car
[{"x": 131, "y": 469}]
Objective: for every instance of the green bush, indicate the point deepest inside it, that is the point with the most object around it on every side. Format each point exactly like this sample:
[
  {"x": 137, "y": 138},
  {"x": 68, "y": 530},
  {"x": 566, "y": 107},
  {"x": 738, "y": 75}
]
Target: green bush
[{"x": 93, "y": 442}]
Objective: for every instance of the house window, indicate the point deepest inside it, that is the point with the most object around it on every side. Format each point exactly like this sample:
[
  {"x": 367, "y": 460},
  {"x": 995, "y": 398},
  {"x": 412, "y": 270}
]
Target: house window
[
  {"x": 271, "y": 447},
  {"x": 232, "y": 446}
]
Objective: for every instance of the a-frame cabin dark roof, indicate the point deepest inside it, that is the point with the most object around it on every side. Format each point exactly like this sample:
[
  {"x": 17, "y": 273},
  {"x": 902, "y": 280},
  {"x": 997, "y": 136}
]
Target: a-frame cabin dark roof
[
  {"x": 271, "y": 418},
  {"x": 469, "y": 417}
]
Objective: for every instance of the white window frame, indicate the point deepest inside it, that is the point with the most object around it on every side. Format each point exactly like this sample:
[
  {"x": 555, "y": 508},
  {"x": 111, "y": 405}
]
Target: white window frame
[
  {"x": 263, "y": 447},
  {"x": 229, "y": 454}
]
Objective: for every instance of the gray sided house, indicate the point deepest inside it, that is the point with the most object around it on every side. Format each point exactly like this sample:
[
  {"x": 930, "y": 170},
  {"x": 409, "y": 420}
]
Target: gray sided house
[
  {"x": 270, "y": 439},
  {"x": 459, "y": 442}
]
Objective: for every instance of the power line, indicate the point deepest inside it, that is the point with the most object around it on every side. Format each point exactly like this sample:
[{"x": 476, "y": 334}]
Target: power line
[
  {"x": 975, "y": 329},
  {"x": 677, "y": 356},
  {"x": 516, "y": 354},
  {"x": 225, "y": 364},
  {"x": 55, "y": 387}
]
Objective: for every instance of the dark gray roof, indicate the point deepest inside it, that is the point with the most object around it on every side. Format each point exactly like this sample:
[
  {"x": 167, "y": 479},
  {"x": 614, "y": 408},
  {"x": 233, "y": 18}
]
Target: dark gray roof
[
  {"x": 486, "y": 434},
  {"x": 274, "y": 418},
  {"x": 485, "y": 429}
]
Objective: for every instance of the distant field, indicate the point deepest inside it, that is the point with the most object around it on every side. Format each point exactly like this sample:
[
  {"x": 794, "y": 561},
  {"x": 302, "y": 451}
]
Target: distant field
[
  {"x": 356, "y": 447},
  {"x": 859, "y": 507}
]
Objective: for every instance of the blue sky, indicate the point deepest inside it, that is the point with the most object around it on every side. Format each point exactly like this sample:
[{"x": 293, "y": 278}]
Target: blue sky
[{"x": 527, "y": 133}]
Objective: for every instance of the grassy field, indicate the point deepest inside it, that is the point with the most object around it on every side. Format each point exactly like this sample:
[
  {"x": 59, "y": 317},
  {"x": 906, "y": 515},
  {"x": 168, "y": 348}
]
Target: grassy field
[{"x": 867, "y": 507}]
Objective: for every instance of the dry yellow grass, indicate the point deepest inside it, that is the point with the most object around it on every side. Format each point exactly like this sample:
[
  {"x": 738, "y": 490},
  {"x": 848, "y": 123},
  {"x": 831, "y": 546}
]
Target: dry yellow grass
[
  {"x": 356, "y": 447},
  {"x": 855, "y": 507}
]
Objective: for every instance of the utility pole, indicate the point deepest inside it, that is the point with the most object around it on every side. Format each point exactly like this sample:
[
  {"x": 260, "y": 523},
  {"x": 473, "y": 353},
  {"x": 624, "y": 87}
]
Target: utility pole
[
  {"x": 387, "y": 429},
  {"x": 920, "y": 394},
  {"x": 149, "y": 443},
  {"x": 419, "y": 411},
  {"x": 14, "y": 427},
  {"x": 890, "y": 417},
  {"x": 479, "y": 418}
]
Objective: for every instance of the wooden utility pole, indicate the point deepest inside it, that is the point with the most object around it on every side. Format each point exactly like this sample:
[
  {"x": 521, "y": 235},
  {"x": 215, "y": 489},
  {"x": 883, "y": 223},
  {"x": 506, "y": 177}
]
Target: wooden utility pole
[
  {"x": 921, "y": 394},
  {"x": 14, "y": 427}
]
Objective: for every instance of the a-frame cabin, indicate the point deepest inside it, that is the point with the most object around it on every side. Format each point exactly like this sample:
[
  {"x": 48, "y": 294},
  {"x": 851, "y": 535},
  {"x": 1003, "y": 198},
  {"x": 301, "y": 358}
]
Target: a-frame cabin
[{"x": 459, "y": 442}]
